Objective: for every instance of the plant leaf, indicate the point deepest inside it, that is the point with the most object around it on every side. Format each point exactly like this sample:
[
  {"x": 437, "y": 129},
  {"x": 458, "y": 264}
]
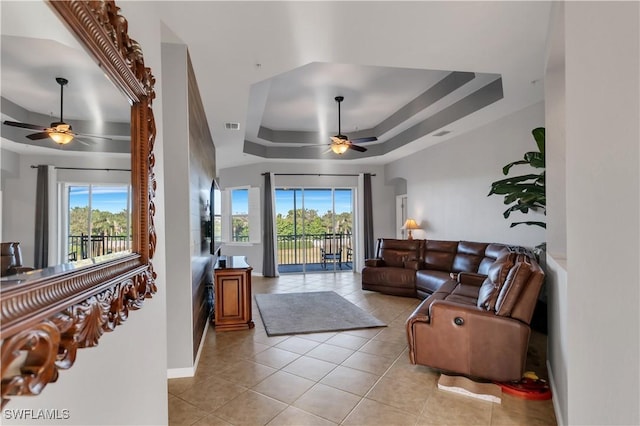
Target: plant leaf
[
  {"x": 539, "y": 135},
  {"x": 505, "y": 169},
  {"x": 535, "y": 159},
  {"x": 534, "y": 223}
]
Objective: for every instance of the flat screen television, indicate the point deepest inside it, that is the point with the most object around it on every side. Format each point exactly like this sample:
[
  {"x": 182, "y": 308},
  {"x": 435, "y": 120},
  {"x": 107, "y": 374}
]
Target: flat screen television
[{"x": 216, "y": 218}]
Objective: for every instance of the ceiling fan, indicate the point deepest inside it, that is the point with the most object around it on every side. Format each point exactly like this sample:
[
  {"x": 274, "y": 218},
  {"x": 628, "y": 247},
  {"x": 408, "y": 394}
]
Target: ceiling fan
[
  {"x": 341, "y": 143},
  {"x": 60, "y": 132}
]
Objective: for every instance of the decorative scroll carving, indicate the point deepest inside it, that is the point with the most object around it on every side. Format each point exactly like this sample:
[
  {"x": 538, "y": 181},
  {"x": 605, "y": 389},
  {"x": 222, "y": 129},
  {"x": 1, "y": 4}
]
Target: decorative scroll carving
[{"x": 45, "y": 320}]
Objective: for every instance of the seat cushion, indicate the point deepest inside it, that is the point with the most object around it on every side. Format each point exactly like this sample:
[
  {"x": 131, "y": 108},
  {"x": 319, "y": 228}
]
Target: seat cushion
[{"x": 429, "y": 281}]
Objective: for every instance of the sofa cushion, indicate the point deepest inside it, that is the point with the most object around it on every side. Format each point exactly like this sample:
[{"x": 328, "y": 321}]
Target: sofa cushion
[
  {"x": 395, "y": 252},
  {"x": 492, "y": 252},
  {"x": 469, "y": 256},
  {"x": 439, "y": 255},
  {"x": 394, "y": 258},
  {"x": 430, "y": 281},
  {"x": 8, "y": 257},
  {"x": 515, "y": 282},
  {"x": 497, "y": 274}
]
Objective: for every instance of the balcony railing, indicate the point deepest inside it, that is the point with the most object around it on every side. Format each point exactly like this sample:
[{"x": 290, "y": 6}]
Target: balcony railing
[
  {"x": 296, "y": 249},
  {"x": 100, "y": 245}
]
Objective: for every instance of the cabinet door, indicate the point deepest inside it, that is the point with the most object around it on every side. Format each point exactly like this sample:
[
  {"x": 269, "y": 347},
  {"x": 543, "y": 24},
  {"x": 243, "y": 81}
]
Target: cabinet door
[{"x": 230, "y": 295}]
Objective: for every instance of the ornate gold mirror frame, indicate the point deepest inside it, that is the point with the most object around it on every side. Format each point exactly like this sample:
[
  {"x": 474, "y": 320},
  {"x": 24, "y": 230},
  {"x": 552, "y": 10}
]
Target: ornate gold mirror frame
[{"x": 46, "y": 318}]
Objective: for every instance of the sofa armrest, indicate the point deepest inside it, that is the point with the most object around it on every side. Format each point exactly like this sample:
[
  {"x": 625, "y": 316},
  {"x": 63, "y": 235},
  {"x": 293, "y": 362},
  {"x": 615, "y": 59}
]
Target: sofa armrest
[
  {"x": 19, "y": 269},
  {"x": 375, "y": 263},
  {"x": 471, "y": 278},
  {"x": 445, "y": 307},
  {"x": 468, "y": 340}
]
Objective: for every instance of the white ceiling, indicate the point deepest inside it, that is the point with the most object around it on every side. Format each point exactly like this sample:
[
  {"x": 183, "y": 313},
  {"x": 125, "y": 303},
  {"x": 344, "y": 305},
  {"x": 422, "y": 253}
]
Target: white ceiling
[
  {"x": 280, "y": 65},
  {"x": 285, "y": 48},
  {"x": 36, "y": 48}
]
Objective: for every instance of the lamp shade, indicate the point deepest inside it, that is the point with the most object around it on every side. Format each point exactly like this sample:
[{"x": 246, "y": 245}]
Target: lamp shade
[
  {"x": 61, "y": 138},
  {"x": 339, "y": 148},
  {"x": 411, "y": 224}
]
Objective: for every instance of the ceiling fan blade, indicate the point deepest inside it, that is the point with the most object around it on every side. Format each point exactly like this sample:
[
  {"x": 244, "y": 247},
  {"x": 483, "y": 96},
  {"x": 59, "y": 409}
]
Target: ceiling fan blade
[
  {"x": 86, "y": 135},
  {"x": 23, "y": 125},
  {"x": 38, "y": 136},
  {"x": 357, "y": 148},
  {"x": 85, "y": 143},
  {"x": 363, "y": 140}
]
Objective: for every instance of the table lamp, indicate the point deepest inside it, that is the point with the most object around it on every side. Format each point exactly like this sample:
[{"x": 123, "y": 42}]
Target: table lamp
[{"x": 410, "y": 224}]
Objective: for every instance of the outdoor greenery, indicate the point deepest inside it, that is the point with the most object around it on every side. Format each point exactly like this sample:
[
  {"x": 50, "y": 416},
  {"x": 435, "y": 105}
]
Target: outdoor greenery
[
  {"x": 312, "y": 222},
  {"x": 526, "y": 192},
  {"x": 308, "y": 219},
  {"x": 103, "y": 222}
]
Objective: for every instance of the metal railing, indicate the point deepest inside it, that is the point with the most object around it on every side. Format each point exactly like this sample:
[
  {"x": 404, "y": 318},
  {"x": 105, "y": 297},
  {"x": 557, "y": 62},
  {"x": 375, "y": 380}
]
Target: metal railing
[
  {"x": 78, "y": 246},
  {"x": 295, "y": 249}
]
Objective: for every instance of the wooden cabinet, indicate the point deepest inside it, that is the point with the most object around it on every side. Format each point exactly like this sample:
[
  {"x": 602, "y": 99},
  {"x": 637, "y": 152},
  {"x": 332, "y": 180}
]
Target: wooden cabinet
[{"x": 232, "y": 309}]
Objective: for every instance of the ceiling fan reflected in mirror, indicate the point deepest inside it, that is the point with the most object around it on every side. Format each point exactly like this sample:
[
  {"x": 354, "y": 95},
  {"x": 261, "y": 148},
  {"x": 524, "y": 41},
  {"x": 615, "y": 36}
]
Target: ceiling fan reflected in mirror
[
  {"x": 59, "y": 131},
  {"x": 341, "y": 143}
]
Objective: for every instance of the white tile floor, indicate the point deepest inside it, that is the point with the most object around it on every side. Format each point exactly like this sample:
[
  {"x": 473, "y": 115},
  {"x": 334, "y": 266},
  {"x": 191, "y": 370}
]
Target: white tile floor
[{"x": 359, "y": 377}]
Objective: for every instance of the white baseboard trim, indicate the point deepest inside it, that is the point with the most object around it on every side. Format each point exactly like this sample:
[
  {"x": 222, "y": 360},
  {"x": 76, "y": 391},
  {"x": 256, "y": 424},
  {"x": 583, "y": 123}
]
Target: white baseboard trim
[
  {"x": 204, "y": 336},
  {"x": 177, "y": 373},
  {"x": 555, "y": 400}
]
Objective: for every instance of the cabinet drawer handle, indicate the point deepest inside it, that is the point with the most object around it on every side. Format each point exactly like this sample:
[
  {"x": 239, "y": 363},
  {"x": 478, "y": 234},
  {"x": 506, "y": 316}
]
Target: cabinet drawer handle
[{"x": 458, "y": 321}]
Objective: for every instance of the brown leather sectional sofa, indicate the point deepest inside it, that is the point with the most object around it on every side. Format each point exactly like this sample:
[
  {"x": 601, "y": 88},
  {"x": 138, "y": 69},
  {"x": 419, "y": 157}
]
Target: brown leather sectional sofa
[
  {"x": 478, "y": 302},
  {"x": 417, "y": 268}
]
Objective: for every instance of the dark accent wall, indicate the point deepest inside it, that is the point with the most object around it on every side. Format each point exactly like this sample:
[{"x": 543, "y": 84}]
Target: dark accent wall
[{"x": 202, "y": 170}]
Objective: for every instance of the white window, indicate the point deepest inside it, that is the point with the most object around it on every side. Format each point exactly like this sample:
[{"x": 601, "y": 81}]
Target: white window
[
  {"x": 241, "y": 215},
  {"x": 98, "y": 220}
]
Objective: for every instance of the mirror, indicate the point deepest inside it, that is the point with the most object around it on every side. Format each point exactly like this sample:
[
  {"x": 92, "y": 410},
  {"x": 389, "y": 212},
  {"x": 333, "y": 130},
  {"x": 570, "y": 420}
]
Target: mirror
[
  {"x": 88, "y": 204},
  {"x": 49, "y": 314}
]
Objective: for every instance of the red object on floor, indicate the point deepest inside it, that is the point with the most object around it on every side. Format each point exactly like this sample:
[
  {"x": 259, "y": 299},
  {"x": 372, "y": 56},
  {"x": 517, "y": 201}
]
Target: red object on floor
[{"x": 536, "y": 389}]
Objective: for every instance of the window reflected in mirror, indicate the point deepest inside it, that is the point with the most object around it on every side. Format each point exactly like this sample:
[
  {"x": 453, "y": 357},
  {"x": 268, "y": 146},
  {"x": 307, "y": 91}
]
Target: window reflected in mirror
[{"x": 98, "y": 220}]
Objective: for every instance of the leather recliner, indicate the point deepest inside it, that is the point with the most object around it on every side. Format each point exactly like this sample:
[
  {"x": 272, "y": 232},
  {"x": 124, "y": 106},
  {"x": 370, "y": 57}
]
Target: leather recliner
[
  {"x": 478, "y": 325},
  {"x": 11, "y": 259},
  {"x": 393, "y": 268}
]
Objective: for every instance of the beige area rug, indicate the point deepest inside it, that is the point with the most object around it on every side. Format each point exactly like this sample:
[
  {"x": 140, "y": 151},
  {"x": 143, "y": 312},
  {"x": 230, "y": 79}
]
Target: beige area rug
[
  {"x": 465, "y": 386},
  {"x": 312, "y": 312}
]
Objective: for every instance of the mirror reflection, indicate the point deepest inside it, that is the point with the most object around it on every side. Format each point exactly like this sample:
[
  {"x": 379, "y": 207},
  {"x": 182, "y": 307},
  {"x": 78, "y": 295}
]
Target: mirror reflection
[{"x": 65, "y": 148}]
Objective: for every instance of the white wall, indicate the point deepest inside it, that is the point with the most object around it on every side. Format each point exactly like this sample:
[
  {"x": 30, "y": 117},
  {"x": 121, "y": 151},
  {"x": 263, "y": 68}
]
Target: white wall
[
  {"x": 176, "y": 207},
  {"x": 556, "y": 258},
  {"x": 123, "y": 380},
  {"x": 448, "y": 183},
  {"x": 602, "y": 54},
  {"x": 382, "y": 194}
]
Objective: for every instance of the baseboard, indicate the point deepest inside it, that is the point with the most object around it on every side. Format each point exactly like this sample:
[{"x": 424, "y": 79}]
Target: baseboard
[
  {"x": 177, "y": 373},
  {"x": 202, "y": 339},
  {"x": 554, "y": 390}
]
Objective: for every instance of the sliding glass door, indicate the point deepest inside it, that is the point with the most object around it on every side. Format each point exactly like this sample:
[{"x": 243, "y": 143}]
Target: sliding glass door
[
  {"x": 98, "y": 220},
  {"x": 314, "y": 229}
]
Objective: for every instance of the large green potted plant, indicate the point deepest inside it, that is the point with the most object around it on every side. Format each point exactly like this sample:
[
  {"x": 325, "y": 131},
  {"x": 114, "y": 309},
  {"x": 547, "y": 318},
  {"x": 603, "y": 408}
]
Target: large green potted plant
[{"x": 525, "y": 192}]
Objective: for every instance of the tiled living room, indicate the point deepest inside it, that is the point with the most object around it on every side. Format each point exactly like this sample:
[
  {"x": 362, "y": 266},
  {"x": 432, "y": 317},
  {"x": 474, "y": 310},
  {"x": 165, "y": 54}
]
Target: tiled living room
[{"x": 356, "y": 377}]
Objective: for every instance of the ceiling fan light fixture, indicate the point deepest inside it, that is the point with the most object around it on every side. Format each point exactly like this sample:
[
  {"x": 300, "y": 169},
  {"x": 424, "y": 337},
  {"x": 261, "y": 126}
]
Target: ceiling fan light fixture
[
  {"x": 61, "y": 138},
  {"x": 339, "y": 148}
]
